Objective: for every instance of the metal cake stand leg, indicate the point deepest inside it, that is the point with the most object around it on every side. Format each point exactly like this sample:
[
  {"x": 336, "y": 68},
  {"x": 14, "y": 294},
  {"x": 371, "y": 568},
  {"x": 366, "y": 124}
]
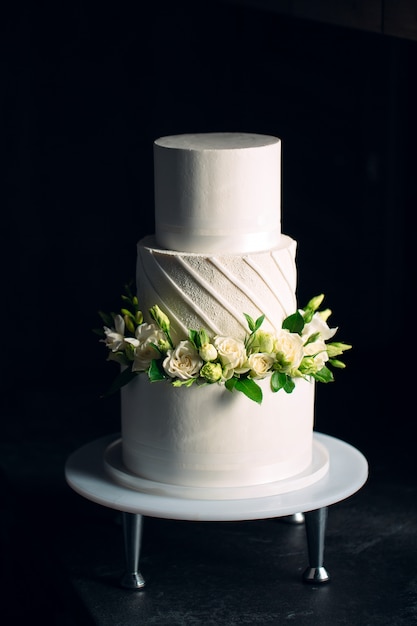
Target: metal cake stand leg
[
  {"x": 296, "y": 518},
  {"x": 315, "y": 522},
  {"x": 132, "y": 530}
]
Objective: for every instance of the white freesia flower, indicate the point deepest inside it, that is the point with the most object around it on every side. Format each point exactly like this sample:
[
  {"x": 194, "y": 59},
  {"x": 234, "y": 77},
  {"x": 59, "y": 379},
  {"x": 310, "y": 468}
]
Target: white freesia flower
[
  {"x": 232, "y": 355},
  {"x": 317, "y": 350},
  {"x": 145, "y": 336},
  {"x": 289, "y": 350},
  {"x": 318, "y": 325},
  {"x": 260, "y": 364},
  {"x": 115, "y": 336},
  {"x": 183, "y": 362}
]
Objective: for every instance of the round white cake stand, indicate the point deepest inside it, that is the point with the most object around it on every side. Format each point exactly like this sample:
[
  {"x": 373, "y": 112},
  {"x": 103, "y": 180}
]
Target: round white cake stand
[{"x": 86, "y": 474}]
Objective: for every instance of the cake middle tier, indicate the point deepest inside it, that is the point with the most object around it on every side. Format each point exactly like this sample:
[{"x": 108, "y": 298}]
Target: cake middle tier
[{"x": 215, "y": 292}]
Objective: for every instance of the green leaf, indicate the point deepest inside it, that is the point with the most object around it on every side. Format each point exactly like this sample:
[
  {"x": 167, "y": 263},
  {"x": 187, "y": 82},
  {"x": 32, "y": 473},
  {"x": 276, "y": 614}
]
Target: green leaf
[
  {"x": 289, "y": 385},
  {"x": 230, "y": 384},
  {"x": 155, "y": 347},
  {"x": 280, "y": 380},
  {"x": 259, "y": 322},
  {"x": 155, "y": 371},
  {"x": 249, "y": 388},
  {"x": 120, "y": 381},
  {"x": 324, "y": 375},
  {"x": 194, "y": 337},
  {"x": 294, "y": 323},
  {"x": 250, "y": 322}
]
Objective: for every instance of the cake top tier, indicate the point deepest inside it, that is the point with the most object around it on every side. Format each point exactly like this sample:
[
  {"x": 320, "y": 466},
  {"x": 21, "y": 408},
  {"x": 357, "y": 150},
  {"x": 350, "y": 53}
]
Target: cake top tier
[{"x": 218, "y": 192}]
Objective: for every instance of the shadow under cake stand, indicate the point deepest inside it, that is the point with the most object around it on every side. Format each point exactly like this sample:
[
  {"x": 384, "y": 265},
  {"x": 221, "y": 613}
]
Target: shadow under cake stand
[{"x": 86, "y": 474}]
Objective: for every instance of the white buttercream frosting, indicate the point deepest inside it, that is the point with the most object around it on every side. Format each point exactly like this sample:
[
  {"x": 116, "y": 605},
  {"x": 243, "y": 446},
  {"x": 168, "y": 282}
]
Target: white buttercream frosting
[
  {"x": 218, "y": 192},
  {"x": 211, "y": 437},
  {"x": 217, "y": 255}
]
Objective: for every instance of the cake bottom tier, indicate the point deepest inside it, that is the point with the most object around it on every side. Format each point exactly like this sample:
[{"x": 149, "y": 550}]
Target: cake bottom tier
[{"x": 211, "y": 437}]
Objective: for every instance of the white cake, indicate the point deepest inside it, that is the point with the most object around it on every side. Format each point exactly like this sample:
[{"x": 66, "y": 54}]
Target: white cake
[
  {"x": 210, "y": 437},
  {"x": 217, "y": 256}
]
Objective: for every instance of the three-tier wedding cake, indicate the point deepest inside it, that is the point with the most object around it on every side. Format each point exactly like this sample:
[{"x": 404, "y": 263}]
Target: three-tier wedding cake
[{"x": 219, "y": 364}]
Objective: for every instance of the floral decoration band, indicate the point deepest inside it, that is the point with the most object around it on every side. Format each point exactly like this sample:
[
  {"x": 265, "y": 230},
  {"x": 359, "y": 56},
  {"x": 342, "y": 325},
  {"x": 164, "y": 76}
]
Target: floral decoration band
[{"x": 300, "y": 349}]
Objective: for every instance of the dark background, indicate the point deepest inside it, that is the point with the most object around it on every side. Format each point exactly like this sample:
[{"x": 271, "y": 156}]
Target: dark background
[{"x": 87, "y": 88}]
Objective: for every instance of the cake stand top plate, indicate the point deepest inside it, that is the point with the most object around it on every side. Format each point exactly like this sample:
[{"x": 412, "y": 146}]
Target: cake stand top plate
[{"x": 86, "y": 474}]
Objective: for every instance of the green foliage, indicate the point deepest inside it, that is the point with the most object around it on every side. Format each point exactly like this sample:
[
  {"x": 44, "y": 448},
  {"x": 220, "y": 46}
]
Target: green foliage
[
  {"x": 246, "y": 386},
  {"x": 254, "y": 325},
  {"x": 119, "y": 334},
  {"x": 155, "y": 371},
  {"x": 294, "y": 323},
  {"x": 280, "y": 380}
]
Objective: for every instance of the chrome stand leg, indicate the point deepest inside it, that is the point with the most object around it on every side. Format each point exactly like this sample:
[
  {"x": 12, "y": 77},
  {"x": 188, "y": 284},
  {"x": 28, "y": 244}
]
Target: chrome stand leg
[
  {"x": 296, "y": 518},
  {"x": 132, "y": 530},
  {"x": 316, "y": 530}
]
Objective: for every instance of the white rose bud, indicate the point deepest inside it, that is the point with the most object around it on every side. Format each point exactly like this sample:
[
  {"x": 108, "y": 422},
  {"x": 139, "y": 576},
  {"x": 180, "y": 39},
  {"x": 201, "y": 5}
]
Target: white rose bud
[
  {"x": 212, "y": 372},
  {"x": 335, "y": 348},
  {"x": 315, "y": 302},
  {"x": 208, "y": 352}
]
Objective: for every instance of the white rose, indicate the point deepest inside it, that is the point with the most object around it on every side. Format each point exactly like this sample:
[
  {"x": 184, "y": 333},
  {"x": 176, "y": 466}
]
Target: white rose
[
  {"x": 260, "y": 364},
  {"x": 183, "y": 362},
  {"x": 145, "y": 336},
  {"x": 289, "y": 350},
  {"x": 232, "y": 355},
  {"x": 231, "y": 351}
]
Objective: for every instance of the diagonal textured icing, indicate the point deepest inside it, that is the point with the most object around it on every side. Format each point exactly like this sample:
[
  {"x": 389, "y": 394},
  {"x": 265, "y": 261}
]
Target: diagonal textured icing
[{"x": 214, "y": 291}]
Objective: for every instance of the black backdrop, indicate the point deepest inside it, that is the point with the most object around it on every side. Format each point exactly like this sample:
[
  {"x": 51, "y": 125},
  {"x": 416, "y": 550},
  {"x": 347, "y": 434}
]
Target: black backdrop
[{"x": 85, "y": 91}]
